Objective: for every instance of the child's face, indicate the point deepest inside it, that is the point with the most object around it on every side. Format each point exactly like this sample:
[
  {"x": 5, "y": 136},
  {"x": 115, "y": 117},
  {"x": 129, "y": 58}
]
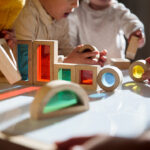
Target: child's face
[
  {"x": 100, "y": 3},
  {"x": 59, "y": 9}
]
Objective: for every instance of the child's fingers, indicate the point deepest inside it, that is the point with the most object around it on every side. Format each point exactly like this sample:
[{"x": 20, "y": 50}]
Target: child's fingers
[
  {"x": 101, "y": 63},
  {"x": 148, "y": 81},
  {"x": 11, "y": 31},
  {"x": 89, "y": 54},
  {"x": 8, "y": 34},
  {"x": 11, "y": 43},
  {"x": 148, "y": 60},
  {"x": 103, "y": 58},
  {"x": 78, "y": 48},
  {"x": 146, "y": 75},
  {"x": 103, "y": 52}
]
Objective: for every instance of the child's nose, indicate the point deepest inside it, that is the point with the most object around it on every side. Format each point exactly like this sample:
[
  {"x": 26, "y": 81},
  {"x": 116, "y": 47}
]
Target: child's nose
[{"x": 75, "y": 4}]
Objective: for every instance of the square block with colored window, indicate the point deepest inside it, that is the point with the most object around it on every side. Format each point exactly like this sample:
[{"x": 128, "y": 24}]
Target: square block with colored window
[
  {"x": 64, "y": 71},
  {"x": 45, "y": 55},
  {"x": 86, "y": 76},
  {"x": 23, "y": 55}
]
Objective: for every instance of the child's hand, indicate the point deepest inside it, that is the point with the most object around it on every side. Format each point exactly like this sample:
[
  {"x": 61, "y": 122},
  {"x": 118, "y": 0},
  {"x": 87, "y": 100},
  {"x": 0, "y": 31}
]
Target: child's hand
[
  {"x": 9, "y": 36},
  {"x": 83, "y": 58},
  {"x": 146, "y": 75},
  {"x": 102, "y": 58},
  {"x": 138, "y": 33}
]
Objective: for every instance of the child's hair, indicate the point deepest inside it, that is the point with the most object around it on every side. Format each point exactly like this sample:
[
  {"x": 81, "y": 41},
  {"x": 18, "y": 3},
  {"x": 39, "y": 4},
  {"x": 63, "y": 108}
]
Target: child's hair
[{"x": 9, "y": 10}]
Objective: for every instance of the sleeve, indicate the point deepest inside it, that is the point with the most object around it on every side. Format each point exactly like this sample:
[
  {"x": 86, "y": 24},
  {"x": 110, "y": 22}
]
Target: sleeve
[
  {"x": 73, "y": 29},
  {"x": 128, "y": 22},
  {"x": 64, "y": 40},
  {"x": 25, "y": 25}
]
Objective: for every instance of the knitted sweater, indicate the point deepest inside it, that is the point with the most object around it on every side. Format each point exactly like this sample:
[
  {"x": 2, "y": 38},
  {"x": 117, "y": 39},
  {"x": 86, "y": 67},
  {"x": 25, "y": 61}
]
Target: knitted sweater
[
  {"x": 34, "y": 23},
  {"x": 104, "y": 29}
]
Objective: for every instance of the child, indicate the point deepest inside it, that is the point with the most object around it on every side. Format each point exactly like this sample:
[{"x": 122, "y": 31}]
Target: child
[
  {"x": 146, "y": 75},
  {"x": 9, "y": 11},
  {"x": 45, "y": 20},
  {"x": 103, "y": 23}
]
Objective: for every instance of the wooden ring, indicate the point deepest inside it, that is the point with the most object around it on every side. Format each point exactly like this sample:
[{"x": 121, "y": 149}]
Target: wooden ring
[{"x": 114, "y": 75}]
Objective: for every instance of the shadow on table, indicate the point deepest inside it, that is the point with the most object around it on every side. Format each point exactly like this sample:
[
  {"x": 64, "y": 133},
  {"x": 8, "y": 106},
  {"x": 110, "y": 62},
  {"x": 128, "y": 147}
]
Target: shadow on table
[
  {"x": 142, "y": 89},
  {"x": 24, "y": 124}
]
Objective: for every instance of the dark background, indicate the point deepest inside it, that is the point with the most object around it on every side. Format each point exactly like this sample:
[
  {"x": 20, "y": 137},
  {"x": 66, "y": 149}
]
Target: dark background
[{"x": 142, "y": 9}]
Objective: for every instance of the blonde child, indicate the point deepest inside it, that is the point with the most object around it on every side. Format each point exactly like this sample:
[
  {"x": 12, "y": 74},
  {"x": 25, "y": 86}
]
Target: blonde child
[
  {"x": 9, "y": 11},
  {"x": 46, "y": 20},
  {"x": 104, "y": 23}
]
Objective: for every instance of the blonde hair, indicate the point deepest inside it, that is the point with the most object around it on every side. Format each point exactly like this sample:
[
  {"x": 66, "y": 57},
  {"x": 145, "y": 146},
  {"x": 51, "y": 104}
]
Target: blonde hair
[{"x": 9, "y": 10}]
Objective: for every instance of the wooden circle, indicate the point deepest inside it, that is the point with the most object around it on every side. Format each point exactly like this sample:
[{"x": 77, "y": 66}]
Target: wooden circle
[
  {"x": 88, "y": 48},
  {"x": 115, "y": 72},
  {"x": 51, "y": 89},
  {"x": 141, "y": 63}
]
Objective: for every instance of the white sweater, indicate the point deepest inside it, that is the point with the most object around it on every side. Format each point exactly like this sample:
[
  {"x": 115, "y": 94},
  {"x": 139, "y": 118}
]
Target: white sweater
[{"x": 104, "y": 29}]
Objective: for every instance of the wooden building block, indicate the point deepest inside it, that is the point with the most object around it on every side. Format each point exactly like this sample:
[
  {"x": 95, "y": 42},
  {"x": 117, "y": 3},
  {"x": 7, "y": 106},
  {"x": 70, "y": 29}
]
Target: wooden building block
[
  {"x": 58, "y": 98},
  {"x": 88, "y": 48},
  {"x": 23, "y": 54},
  {"x": 109, "y": 78},
  {"x": 121, "y": 63},
  {"x": 132, "y": 48},
  {"x": 45, "y": 56},
  {"x": 64, "y": 71},
  {"x": 2, "y": 78},
  {"x": 8, "y": 65},
  {"x": 10, "y": 54},
  {"x": 137, "y": 69},
  {"x": 86, "y": 76}
]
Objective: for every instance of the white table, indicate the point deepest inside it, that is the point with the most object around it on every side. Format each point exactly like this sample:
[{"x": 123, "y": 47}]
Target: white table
[{"x": 125, "y": 113}]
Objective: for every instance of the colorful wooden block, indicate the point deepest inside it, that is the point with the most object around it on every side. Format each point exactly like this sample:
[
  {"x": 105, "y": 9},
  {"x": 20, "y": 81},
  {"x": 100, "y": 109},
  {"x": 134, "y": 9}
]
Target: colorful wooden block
[
  {"x": 23, "y": 55},
  {"x": 86, "y": 76},
  {"x": 109, "y": 78},
  {"x": 121, "y": 63},
  {"x": 58, "y": 98},
  {"x": 132, "y": 47},
  {"x": 8, "y": 65},
  {"x": 64, "y": 71},
  {"x": 137, "y": 69},
  {"x": 44, "y": 58}
]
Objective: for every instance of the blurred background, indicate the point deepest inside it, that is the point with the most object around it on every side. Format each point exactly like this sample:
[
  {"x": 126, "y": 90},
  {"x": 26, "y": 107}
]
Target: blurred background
[{"x": 142, "y": 9}]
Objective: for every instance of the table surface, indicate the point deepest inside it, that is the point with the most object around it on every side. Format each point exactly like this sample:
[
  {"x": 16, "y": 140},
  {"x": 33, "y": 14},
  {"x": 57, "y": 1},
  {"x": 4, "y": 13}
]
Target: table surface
[{"x": 125, "y": 113}]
